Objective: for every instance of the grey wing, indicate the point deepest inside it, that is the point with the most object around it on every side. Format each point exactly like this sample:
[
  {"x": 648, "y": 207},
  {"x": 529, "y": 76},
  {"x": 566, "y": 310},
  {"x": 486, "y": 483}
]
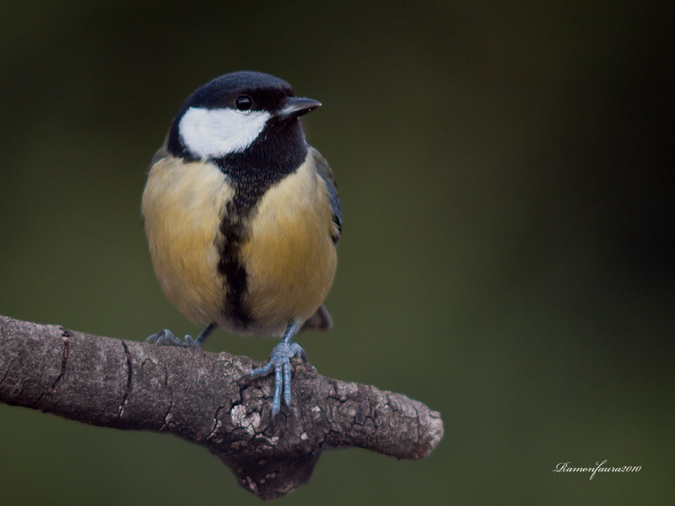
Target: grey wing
[{"x": 323, "y": 169}]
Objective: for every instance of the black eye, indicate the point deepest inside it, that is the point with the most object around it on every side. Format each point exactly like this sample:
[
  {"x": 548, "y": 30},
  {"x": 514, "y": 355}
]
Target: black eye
[{"x": 243, "y": 102}]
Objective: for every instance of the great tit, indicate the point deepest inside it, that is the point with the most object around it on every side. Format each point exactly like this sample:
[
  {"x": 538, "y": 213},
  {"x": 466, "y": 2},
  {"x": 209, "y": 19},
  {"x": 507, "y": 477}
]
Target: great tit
[{"x": 243, "y": 218}]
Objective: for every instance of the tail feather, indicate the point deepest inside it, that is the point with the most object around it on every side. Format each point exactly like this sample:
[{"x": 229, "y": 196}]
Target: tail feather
[{"x": 320, "y": 320}]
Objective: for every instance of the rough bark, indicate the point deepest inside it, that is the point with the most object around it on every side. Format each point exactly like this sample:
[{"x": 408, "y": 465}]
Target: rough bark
[{"x": 197, "y": 396}]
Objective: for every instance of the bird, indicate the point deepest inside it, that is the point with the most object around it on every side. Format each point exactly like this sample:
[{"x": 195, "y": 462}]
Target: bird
[{"x": 243, "y": 219}]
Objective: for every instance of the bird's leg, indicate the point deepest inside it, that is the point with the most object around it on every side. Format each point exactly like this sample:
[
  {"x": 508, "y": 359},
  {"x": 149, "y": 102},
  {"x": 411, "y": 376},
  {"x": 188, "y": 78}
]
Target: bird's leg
[
  {"x": 204, "y": 334},
  {"x": 167, "y": 338},
  {"x": 280, "y": 364}
]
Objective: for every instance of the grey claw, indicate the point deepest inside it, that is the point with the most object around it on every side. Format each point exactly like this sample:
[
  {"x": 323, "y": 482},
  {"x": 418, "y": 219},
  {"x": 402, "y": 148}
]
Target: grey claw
[
  {"x": 280, "y": 365},
  {"x": 191, "y": 343},
  {"x": 166, "y": 338},
  {"x": 297, "y": 351}
]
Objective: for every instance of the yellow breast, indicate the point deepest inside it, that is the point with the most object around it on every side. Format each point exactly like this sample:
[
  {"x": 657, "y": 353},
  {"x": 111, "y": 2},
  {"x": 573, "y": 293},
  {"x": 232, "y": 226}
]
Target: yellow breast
[
  {"x": 182, "y": 208},
  {"x": 290, "y": 258},
  {"x": 287, "y": 250}
]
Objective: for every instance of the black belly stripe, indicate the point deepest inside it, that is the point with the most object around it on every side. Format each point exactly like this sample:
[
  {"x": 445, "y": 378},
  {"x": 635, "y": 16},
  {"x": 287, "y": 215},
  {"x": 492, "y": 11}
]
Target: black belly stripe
[
  {"x": 232, "y": 270},
  {"x": 266, "y": 162},
  {"x": 247, "y": 194}
]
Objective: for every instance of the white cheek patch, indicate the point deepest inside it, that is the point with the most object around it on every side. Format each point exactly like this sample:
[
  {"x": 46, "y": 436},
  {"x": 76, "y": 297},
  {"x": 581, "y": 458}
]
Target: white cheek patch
[{"x": 219, "y": 132}]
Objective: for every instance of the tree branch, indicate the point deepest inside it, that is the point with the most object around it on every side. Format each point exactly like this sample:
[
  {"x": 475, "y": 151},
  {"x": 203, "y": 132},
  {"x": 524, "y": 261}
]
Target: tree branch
[{"x": 196, "y": 395}]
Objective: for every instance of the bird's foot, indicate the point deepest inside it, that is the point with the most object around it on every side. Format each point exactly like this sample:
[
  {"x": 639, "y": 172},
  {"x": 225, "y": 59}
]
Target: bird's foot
[
  {"x": 280, "y": 364},
  {"x": 165, "y": 337}
]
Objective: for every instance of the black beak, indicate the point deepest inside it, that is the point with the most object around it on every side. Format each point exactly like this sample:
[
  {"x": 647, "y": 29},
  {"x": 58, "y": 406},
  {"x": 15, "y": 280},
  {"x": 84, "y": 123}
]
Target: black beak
[{"x": 297, "y": 106}]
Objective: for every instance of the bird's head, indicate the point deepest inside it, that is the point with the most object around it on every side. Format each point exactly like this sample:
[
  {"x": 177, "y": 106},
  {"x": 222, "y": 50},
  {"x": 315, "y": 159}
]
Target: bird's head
[{"x": 230, "y": 114}]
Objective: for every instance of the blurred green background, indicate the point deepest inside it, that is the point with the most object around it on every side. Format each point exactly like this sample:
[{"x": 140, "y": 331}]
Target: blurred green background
[{"x": 506, "y": 171}]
